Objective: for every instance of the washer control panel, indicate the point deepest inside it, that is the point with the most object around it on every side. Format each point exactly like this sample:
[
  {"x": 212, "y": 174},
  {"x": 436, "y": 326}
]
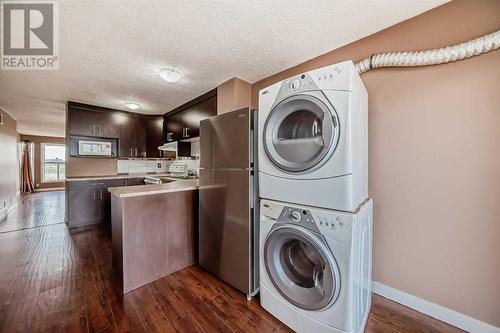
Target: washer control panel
[
  {"x": 331, "y": 224},
  {"x": 302, "y": 217}
]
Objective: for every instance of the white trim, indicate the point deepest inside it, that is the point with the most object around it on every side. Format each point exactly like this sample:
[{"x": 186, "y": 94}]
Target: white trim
[
  {"x": 449, "y": 316},
  {"x": 42, "y": 162}
]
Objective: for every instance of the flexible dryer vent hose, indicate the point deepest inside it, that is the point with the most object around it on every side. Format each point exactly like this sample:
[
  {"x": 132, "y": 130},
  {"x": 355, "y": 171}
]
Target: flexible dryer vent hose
[{"x": 442, "y": 55}]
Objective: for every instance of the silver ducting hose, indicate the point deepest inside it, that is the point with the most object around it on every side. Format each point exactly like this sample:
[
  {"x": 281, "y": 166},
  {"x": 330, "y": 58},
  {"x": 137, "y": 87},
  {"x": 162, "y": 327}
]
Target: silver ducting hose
[{"x": 442, "y": 55}]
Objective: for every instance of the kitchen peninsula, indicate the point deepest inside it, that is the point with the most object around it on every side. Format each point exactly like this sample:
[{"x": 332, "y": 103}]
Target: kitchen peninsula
[{"x": 153, "y": 230}]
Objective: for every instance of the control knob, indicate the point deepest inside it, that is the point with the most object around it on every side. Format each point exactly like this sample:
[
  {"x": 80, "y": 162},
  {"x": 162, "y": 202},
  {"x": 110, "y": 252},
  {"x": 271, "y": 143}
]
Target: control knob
[
  {"x": 296, "y": 216},
  {"x": 295, "y": 84}
]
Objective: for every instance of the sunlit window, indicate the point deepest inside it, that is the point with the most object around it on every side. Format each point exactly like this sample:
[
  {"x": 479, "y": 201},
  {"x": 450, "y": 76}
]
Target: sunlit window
[{"x": 52, "y": 158}]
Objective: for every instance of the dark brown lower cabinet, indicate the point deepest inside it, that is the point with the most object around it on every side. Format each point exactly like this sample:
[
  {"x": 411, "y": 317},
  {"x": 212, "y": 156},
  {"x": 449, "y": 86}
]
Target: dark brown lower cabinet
[{"x": 89, "y": 201}]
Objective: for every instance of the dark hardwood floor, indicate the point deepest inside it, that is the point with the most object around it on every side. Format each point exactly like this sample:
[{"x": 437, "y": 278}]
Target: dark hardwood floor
[
  {"x": 56, "y": 280},
  {"x": 35, "y": 210}
]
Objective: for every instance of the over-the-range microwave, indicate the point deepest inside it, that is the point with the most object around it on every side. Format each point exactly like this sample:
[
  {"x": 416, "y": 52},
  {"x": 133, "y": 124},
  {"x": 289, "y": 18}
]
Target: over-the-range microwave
[{"x": 81, "y": 146}]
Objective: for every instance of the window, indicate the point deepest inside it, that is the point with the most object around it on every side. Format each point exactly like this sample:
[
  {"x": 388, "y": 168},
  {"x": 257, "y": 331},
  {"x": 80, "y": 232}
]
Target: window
[{"x": 52, "y": 157}]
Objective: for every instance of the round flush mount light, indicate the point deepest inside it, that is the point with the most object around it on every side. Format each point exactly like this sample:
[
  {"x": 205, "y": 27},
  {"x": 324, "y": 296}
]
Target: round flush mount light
[
  {"x": 170, "y": 75},
  {"x": 133, "y": 106}
]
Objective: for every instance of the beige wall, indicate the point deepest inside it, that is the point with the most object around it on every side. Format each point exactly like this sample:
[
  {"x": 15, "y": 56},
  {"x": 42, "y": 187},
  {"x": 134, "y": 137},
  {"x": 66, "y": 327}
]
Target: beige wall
[
  {"x": 232, "y": 95},
  {"x": 83, "y": 167},
  {"x": 37, "y": 141},
  {"x": 434, "y": 139},
  {"x": 9, "y": 161}
]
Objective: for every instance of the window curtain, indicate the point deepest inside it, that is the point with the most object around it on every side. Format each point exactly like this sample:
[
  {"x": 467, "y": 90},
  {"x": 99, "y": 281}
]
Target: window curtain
[{"x": 27, "y": 178}]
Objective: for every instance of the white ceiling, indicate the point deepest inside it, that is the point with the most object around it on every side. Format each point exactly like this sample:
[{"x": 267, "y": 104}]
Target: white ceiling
[{"x": 111, "y": 51}]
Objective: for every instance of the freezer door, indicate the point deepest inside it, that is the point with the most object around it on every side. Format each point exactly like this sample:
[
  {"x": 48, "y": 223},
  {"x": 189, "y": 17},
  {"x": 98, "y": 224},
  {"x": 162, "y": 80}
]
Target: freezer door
[
  {"x": 225, "y": 232},
  {"x": 225, "y": 140}
]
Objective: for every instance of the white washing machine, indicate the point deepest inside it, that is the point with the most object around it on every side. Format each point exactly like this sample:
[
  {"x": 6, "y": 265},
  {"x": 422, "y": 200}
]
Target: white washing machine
[
  {"x": 315, "y": 266},
  {"x": 313, "y": 139}
]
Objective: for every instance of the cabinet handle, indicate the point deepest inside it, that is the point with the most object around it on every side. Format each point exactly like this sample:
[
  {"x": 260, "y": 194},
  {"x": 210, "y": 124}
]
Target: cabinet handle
[
  {"x": 130, "y": 152},
  {"x": 100, "y": 193},
  {"x": 136, "y": 153},
  {"x": 187, "y": 134},
  {"x": 92, "y": 129}
]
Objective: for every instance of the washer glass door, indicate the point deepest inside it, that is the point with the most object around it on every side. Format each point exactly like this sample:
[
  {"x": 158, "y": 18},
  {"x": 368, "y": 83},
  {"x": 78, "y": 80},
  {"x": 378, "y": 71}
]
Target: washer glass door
[
  {"x": 299, "y": 132},
  {"x": 301, "y": 267}
]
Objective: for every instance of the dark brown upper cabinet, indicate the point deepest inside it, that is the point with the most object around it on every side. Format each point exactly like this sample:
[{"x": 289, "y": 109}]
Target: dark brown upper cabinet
[
  {"x": 154, "y": 135},
  {"x": 183, "y": 123},
  {"x": 133, "y": 136},
  {"x": 138, "y": 135},
  {"x": 88, "y": 120},
  {"x": 172, "y": 126}
]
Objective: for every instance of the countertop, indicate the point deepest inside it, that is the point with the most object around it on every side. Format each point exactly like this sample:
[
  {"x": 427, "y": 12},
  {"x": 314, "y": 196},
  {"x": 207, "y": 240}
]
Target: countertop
[
  {"x": 178, "y": 185},
  {"x": 132, "y": 175}
]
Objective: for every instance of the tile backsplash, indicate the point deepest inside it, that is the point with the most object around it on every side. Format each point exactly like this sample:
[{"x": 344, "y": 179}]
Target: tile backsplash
[{"x": 143, "y": 166}]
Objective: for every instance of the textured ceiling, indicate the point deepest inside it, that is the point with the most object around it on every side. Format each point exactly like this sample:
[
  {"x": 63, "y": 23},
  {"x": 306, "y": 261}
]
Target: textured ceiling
[{"x": 111, "y": 51}]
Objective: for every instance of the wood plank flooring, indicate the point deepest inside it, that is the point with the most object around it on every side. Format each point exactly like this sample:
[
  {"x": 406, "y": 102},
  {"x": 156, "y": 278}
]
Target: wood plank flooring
[
  {"x": 56, "y": 280},
  {"x": 35, "y": 210}
]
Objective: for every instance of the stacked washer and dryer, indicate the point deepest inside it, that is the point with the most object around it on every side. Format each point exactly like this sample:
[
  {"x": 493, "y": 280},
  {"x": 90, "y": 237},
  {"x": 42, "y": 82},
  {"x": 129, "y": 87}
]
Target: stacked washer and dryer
[{"x": 315, "y": 215}]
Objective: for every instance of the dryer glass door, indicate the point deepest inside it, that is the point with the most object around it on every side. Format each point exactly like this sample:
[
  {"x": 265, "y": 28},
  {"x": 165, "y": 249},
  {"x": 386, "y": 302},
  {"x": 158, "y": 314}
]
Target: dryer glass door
[
  {"x": 301, "y": 267},
  {"x": 299, "y": 133}
]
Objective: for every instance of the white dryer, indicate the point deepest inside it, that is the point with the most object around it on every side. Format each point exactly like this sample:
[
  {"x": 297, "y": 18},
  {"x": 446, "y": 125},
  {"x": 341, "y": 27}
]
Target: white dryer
[
  {"x": 315, "y": 266},
  {"x": 313, "y": 139}
]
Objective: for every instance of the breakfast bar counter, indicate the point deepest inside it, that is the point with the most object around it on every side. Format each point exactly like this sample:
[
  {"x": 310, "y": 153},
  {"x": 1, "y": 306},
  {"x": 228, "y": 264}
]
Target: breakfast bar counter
[
  {"x": 177, "y": 185},
  {"x": 153, "y": 230}
]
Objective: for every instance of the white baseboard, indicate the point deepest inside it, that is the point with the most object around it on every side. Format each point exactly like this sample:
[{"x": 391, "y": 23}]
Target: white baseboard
[{"x": 451, "y": 317}]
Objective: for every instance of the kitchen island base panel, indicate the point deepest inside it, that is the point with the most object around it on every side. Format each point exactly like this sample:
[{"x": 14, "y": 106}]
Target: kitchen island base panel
[{"x": 153, "y": 236}]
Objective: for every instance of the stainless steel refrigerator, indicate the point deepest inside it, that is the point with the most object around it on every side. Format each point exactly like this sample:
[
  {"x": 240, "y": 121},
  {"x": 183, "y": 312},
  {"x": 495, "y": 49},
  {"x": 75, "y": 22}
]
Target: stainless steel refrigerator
[{"x": 228, "y": 216}]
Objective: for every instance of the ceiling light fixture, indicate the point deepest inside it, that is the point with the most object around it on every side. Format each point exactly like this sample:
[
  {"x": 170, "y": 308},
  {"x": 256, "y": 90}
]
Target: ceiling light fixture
[
  {"x": 170, "y": 75},
  {"x": 133, "y": 106}
]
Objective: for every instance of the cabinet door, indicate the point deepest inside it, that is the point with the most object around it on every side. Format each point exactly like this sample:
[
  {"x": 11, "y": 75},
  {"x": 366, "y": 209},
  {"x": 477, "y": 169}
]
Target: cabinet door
[
  {"x": 154, "y": 137},
  {"x": 105, "y": 197},
  {"x": 127, "y": 137},
  {"x": 108, "y": 124},
  {"x": 125, "y": 142},
  {"x": 82, "y": 207},
  {"x": 172, "y": 126},
  {"x": 82, "y": 122},
  {"x": 132, "y": 140},
  {"x": 191, "y": 117},
  {"x": 140, "y": 137},
  {"x": 99, "y": 194}
]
